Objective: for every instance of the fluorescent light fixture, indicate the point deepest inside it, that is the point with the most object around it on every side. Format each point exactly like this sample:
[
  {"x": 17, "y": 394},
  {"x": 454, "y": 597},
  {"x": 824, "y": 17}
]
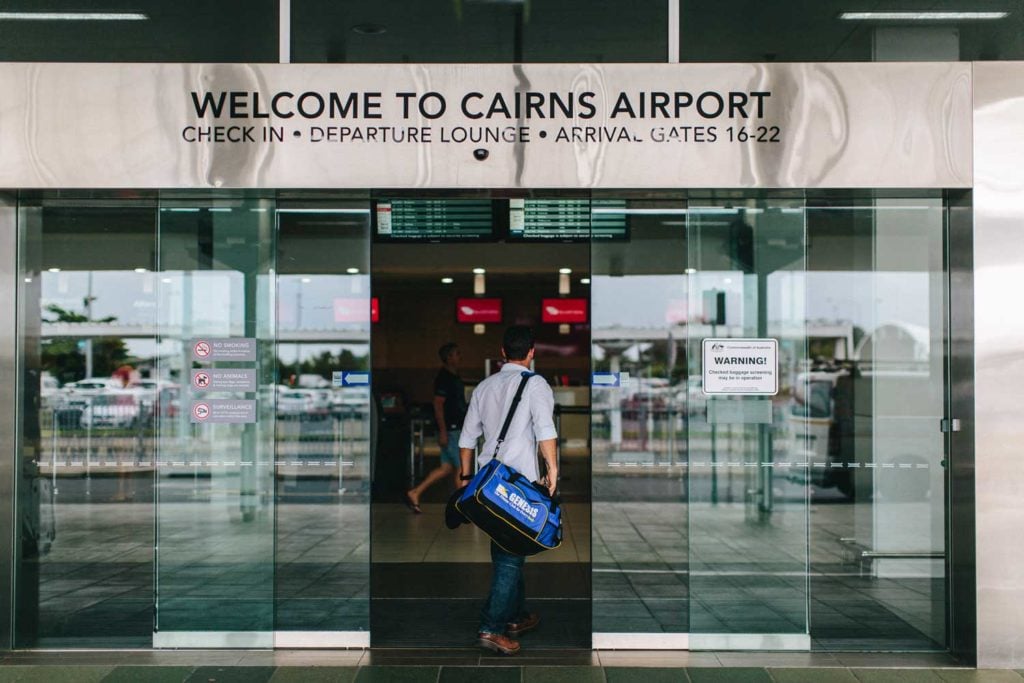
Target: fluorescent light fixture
[
  {"x": 922, "y": 16},
  {"x": 690, "y": 271},
  {"x": 479, "y": 271},
  {"x": 54, "y": 270},
  {"x": 447, "y": 281},
  {"x": 220, "y": 209},
  {"x": 142, "y": 270},
  {"x": 362, "y": 211},
  {"x": 73, "y": 16},
  {"x": 565, "y": 271},
  {"x": 638, "y": 212},
  {"x": 28, "y": 279},
  {"x": 306, "y": 280},
  {"x": 352, "y": 271},
  {"x": 584, "y": 280},
  {"x": 166, "y": 280}
]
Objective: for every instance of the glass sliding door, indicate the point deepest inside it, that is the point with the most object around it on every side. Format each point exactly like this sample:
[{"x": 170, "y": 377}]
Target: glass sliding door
[
  {"x": 746, "y": 341},
  {"x": 876, "y": 389},
  {"x": 215, "y": 450},
  {"x": 87, "y": 406},
  {"x": 641, "y": 406},
  {"x": 322, "y": 467}
]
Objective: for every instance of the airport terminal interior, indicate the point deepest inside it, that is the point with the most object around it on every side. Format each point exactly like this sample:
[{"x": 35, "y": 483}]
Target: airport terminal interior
[{"x": 225, "y": 395}]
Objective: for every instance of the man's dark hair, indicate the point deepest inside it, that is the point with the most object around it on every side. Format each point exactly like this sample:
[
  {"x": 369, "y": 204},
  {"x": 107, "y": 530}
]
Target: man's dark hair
[
  {"x": 517, "y": 342},
  {"x": 446, "y": 350}
]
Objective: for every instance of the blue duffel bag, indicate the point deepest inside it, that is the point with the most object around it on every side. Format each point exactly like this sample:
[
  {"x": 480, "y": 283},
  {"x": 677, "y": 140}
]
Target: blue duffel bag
[{"x": 518, "y": 514}]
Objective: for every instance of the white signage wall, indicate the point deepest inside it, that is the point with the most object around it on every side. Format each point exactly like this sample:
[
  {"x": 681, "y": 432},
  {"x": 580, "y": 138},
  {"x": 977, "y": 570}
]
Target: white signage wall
[{"x": 485, "y": 126}]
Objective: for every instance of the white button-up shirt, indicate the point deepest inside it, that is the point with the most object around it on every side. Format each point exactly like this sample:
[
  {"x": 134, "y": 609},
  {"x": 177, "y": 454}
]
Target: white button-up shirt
[{"x": 532, "y": 422}]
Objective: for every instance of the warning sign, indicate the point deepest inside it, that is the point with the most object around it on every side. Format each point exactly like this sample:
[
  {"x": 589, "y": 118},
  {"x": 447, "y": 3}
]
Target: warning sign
[{"x": 741, "y": 366}]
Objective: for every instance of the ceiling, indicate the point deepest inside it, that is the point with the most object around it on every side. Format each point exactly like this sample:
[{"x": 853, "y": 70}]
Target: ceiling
[{"x": 364, "y": 31}]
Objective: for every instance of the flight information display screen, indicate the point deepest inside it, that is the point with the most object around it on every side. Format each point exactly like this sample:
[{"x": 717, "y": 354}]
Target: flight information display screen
[
  {"x": 434, "y": 220},
  {"x": 569, "y": 220}
]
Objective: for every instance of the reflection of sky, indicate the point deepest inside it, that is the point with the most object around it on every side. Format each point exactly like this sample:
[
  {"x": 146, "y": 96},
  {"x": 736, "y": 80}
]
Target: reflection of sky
[
  {"x": 128, "y": 296},
  {"x": 323, "y": 302},
  {"x": 865, "y": 299}
]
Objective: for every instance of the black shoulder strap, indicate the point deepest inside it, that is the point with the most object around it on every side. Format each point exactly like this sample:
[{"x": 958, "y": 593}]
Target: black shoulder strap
[{"x": 512, "y": 411}]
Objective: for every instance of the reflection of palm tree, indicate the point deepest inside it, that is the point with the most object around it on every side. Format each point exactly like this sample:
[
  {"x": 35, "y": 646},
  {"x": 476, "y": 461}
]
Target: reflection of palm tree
[{"x": 62, "y": 357}]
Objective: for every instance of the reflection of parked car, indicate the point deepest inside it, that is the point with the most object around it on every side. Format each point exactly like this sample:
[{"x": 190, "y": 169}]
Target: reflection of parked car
[
  {"x": 350, "y": 400},
  {"x": 300, "y": 404},
  {"x": 821, "y": 432},
  {"x": 120, "y": 410},
  {"x": 76, "y": 396}
]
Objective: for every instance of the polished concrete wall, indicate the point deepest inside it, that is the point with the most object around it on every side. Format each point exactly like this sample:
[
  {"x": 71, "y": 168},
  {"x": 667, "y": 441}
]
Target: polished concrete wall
[{"x": 999, "y": 360}]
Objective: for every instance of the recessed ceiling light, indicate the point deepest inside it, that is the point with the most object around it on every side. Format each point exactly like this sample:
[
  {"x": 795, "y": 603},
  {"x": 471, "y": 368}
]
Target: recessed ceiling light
[
  {"x": 690, "y": 271},
  {"x": 447, "y": 281},
  {"x": 369, "y": 29},
  {"x": 306, "y": 280},
  {"x": 584, "y": 280},
  {"x": 479, "y": 271},
  {"x": 54, "y": 270},
  {"x": 352, "y": 271},
  {"x": 73, "y": 16},
  {"x": 142, "y": 270},
  {"x": 922, "y": 16},
  {"x": 166, "y": 280},
  {"x": 565, "y": 271}
]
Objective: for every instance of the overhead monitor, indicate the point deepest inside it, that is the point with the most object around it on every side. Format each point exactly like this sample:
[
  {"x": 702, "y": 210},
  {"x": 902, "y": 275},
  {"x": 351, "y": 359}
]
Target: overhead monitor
[
  {"x": 567, "y": 220},
  {"x": 433, "y": 220}
]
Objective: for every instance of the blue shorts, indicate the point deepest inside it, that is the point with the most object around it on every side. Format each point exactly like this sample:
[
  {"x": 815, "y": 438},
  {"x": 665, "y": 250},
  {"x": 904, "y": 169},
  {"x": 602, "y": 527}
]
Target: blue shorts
[{"x": 450, "y": 453}]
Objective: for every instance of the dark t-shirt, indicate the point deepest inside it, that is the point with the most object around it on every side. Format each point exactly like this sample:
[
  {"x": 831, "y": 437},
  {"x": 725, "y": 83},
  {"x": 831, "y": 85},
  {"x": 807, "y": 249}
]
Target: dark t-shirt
[{"x": 448, "y": 386}]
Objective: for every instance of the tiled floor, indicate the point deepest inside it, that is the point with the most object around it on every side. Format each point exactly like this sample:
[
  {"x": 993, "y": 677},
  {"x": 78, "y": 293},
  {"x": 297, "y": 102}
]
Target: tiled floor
[{"x": 431, "y": 666}]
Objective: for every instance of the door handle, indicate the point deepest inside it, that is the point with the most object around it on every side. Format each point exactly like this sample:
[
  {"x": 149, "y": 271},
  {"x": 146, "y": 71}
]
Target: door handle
[{"x": 947, "y": 425}]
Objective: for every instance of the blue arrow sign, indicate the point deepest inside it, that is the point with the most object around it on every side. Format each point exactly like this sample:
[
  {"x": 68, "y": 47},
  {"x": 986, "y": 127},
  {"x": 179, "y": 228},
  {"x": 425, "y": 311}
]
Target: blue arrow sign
[
  {"x": 355, "y": 379},
  {"x": 606, "y": 379}
]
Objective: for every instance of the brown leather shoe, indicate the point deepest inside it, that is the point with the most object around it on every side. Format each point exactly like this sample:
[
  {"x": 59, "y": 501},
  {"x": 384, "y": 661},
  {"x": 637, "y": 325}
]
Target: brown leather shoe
[
  {"x": 498, "y": 643},
  {"x": 521, "y": 626}
]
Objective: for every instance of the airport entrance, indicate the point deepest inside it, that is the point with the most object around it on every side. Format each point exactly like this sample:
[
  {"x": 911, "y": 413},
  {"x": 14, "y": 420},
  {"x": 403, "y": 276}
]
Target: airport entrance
[{"x": 226, "y": 395}]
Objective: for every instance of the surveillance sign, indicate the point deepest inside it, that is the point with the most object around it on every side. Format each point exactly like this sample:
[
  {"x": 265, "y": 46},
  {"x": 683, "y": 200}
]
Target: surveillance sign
[{"x": 741, "y": 367}]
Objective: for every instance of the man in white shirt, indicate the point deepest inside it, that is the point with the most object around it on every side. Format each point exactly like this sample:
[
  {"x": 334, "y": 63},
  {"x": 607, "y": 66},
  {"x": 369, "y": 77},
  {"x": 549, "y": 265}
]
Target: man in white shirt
[{"x": 504, "y": 614}]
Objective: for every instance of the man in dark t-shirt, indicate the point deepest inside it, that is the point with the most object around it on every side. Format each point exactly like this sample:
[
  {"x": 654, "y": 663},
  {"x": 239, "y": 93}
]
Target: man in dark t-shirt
[{"x": 449, "y": 412}]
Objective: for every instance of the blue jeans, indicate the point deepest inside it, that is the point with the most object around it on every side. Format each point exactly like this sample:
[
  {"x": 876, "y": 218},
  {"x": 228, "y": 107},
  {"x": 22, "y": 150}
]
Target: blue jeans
[{"x": 507, "y": 599}]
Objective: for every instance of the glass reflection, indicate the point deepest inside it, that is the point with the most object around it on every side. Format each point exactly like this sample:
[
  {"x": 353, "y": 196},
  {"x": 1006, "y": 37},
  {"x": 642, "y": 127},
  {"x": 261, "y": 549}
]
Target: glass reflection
[{"x": 91, "y": 398}]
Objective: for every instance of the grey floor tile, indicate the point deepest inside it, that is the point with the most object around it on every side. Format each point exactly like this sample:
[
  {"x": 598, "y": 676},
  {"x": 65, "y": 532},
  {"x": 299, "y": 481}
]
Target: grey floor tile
[
  {"x": 658, "y": 658},
  {"x": 314, "y": 674},
  {"x": 149, "y": 674},
  {"x": 777, "y": 659},
  {"x": 924, "y": 660},
  {"x": 979, "y": 675},
  {"x": 480, "y": 674},
  {"x": 812, "y": 675},
  {"x": 54, "y": 674},
  {"x": 231, "y": 674},
  {"x": 397, "y": 674},
  {"x": 896, "y": 676},
  {"x": 730, "y": 675},
  {"x": 561, "y": 674},
  {"x": 645, "y": 675}
]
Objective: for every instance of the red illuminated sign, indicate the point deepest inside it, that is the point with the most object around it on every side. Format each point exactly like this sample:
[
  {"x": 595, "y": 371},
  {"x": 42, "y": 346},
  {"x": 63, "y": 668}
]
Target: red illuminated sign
[
  {"x": 478, "y": 310},
  {"x": 563, "y": 311},
  {"x": 374, "y": 310}
]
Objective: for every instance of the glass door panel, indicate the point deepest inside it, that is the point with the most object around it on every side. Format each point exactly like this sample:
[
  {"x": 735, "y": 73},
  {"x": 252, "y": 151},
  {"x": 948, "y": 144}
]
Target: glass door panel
[
  {"x": 323, "y": 424},
  {"x": 748, "y": 488},
  {"x": 215, "y": 450},
  {"x": 641, "y": 406},
  {"x": 876, "y": 299}
]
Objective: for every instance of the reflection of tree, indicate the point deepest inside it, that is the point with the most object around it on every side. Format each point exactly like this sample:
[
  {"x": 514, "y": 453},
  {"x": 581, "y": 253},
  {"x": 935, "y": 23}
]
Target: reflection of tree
[
  {"x": 323, "y": 364},
  {"x": 63, "y": 358}
]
